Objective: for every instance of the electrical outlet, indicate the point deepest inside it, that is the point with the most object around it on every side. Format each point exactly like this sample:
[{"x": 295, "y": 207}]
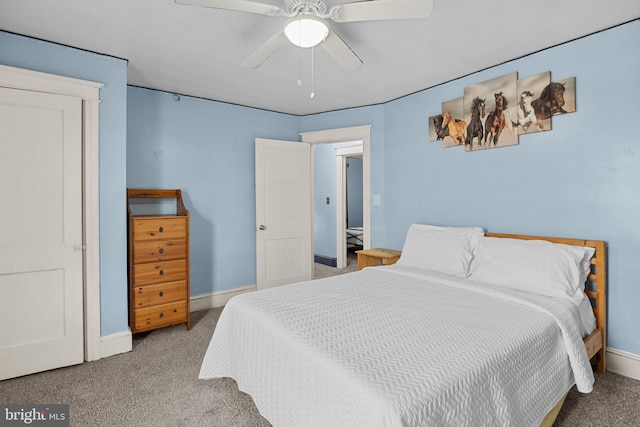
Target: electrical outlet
[{"x": 327, "y": 200}]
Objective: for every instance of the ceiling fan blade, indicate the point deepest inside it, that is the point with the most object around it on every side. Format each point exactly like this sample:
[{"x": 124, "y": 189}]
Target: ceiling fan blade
[
  {"x": 382, "y": 9},
  {"x": 265, "y": 51},
  {"x": 341, "y": 52},
  {"x": 239, "y": 5}
]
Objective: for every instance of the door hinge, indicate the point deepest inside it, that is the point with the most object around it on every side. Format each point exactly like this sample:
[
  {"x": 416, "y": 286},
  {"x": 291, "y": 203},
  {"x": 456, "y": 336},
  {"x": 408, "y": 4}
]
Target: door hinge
[{"x": 78, "y": 247}]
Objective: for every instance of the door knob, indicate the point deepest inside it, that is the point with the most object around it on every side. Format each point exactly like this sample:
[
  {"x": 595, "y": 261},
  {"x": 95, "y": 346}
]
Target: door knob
[{"x": 262, "y": 227}]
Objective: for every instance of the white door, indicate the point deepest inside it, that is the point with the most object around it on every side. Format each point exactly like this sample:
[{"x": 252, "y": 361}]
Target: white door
[
  {"x": 41, "y": 272},
  {"x": 283, "y": 212}
]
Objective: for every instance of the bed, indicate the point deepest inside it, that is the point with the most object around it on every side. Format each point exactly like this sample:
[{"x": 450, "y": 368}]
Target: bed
[
  {"x": 355, "y": 236},
  {"x": 409, "y": 345}
]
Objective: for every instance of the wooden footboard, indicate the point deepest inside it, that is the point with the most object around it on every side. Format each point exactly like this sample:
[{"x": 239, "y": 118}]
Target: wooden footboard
[{"x": 596, "y": 290}]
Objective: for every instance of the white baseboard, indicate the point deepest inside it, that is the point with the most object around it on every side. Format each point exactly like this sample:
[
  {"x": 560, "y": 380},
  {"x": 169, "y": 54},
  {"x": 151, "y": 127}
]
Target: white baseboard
[
  {"x": 120, "y": 342},
  {"x": 217, "y": 299},
  {"x": 623, "y": 363}
]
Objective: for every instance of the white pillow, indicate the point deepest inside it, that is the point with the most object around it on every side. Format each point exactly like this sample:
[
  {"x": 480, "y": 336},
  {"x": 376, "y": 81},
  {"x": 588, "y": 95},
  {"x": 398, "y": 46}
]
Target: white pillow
[
  {"x": 445, "y": 249},
  {"x": 585, "y": 265},
  {"x": 534, "y": 266}
]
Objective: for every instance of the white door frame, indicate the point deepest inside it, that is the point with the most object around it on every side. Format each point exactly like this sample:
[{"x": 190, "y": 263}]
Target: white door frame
[
  {"x": 356, "y": 133},
  {"x": 341, "y": 202},
  {"x": 89, "y": 92}
]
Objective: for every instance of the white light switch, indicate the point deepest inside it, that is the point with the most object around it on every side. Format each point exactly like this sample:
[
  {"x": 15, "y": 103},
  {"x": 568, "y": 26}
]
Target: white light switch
[{"x": 376, "y": 200}]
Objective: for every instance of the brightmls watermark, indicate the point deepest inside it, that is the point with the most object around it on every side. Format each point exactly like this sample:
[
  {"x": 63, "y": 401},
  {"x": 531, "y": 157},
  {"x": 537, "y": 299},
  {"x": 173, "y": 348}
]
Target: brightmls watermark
[{"x": 34, "y": 415}]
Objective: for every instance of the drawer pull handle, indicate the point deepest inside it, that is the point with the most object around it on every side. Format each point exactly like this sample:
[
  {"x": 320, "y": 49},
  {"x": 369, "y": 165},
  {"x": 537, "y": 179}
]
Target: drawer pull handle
[
  {"x": 161, "y": 272},
  {"x": 161, "y": 315},
  {"x": 161, "y": 229},
  {"x": 161, "y": 251},
  {"x": 161, "y": 293}
]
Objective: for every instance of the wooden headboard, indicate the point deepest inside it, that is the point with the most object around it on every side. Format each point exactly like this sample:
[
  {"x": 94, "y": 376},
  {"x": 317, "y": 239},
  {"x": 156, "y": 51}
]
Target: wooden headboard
[{"x": 596, "y": 290}]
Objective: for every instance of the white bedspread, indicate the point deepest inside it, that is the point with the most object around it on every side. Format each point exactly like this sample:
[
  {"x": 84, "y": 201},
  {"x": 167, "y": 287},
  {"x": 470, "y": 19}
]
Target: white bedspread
[{"x": 393, "y": 347}]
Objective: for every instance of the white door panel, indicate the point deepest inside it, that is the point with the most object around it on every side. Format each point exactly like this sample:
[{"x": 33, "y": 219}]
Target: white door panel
[
  {"x": 283, "y": 212},
  {"x": 41, "y": 272}
]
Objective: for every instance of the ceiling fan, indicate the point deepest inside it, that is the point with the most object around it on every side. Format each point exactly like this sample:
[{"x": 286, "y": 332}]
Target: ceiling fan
[{"x": 307, "y": 25}]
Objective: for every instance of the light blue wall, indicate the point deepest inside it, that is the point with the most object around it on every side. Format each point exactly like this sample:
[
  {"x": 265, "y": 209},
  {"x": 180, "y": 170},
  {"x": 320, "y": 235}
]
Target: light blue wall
[
  {"x": 324, "y": 215},
  {"x": 205, "y": 148},
  {"x": 582, "y": 179},
  {"x": 37, "y": 55},
  {"x": 354, "y": 192}
]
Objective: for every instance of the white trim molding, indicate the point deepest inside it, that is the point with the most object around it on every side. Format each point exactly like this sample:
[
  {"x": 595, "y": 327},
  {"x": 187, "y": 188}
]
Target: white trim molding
[
  {"x": 18, "y": 78},
  {"x": 91, "y": 237},
  {"x": 352, "y": 134},
  {"x": 355, "y": 133},
  {"x": 623, "y": 363},
  {"x": 341, "y": 205},
  {"x": 218, "y": 299},
  {"x": 120, "y": 342}
]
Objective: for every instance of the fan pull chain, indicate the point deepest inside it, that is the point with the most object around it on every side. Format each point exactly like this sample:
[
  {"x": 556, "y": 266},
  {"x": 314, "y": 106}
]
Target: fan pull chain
[
  {"x": 313, "y": 93},
  {"x": 299, "y": 82},
  {"x": 300, "y": 58}
]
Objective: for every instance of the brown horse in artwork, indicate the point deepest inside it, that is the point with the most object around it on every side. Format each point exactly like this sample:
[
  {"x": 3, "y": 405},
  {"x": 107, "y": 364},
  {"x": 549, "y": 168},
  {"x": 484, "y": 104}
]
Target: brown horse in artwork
[
  {"x": 550, "y": 102},
  {"x": 495, "y": 120},
  {"x": 457, "y": 128}
]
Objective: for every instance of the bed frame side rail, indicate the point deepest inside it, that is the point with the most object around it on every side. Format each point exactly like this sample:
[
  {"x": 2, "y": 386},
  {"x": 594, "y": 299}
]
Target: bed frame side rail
[{"x": 595, "y": 289}]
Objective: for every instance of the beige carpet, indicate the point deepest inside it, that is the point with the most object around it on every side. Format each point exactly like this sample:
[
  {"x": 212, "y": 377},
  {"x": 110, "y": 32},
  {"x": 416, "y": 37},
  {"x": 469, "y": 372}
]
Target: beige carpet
[
  {"x": 321, "y": 270},
  {"x": 156, "y": 385}
]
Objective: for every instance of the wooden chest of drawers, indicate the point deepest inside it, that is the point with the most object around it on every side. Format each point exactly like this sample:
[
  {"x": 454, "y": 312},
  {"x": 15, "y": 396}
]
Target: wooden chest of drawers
[{"x": 158, "y": 265}]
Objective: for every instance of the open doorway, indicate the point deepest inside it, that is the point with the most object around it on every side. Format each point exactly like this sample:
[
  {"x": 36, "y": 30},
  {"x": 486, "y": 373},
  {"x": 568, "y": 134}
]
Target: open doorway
[
  {"x": 338, "y": 207},
  {"x": 327, "y": 206},
  {"x": 353, "y": 203},
  {"x": 350, "y": 228}
]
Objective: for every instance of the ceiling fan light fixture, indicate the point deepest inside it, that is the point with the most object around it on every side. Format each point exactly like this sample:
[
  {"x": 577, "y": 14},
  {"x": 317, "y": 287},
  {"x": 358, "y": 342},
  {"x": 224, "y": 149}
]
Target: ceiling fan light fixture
[{"x": 306, "y": 30}]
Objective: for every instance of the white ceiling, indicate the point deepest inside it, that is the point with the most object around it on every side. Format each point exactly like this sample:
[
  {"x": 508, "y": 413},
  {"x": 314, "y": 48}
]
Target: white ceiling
[{"x": 198, "y": 51}]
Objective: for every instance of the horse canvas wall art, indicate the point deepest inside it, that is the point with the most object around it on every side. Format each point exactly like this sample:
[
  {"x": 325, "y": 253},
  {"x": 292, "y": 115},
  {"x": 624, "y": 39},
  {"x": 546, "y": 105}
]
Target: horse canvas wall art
[
  {"x": 569, "y": 94},
  {"x": 552, "y": 100},
  {"x": 475, "y": 128},
  {"x": 521, "y": 118},
  {"x": 457, "y": 128},
  {"x": 436, "y": 131},
  {"x": 453, "y": 132},
  {"x": 495, "y": 123},
  {"x": 498, "y": 94},
  {"x": 511, "y": 106},
  {"x": 522, "y": 115}
]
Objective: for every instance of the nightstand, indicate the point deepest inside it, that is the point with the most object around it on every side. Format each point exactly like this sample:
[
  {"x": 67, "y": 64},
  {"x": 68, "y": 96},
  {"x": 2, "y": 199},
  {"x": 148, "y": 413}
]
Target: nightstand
[{"x": 377, "y": 256}]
